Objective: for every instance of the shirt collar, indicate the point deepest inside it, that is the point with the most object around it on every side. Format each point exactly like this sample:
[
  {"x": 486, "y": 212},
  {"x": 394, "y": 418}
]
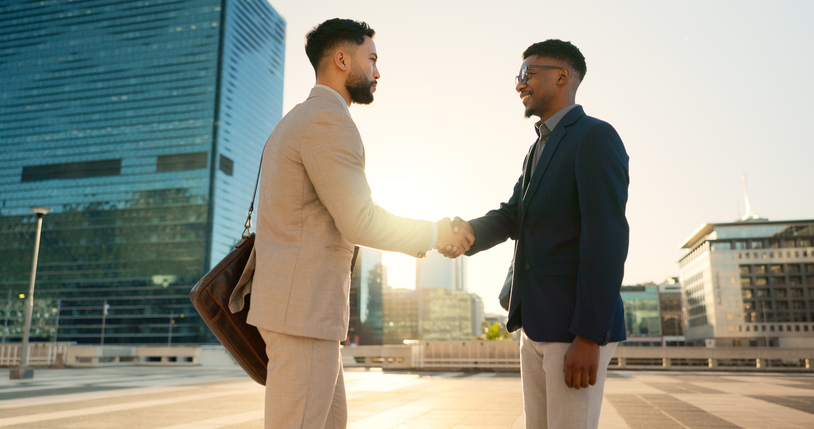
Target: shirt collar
[
  {"x": 555, "y": 119},
  {"x": 333, "y": 91}
]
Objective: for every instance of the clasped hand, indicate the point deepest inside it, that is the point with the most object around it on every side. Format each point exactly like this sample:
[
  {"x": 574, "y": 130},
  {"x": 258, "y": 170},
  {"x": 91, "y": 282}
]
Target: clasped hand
[{"x": 454, "y": 237}]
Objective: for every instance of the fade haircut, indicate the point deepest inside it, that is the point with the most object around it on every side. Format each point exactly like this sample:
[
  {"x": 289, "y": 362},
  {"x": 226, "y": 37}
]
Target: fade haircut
[
  {"x": 559, "y": 50},
  {"x": 326, "y": 36}
]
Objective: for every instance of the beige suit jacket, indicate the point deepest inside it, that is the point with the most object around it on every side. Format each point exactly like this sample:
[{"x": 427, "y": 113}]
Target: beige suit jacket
[{"x": 314, "y": 206}]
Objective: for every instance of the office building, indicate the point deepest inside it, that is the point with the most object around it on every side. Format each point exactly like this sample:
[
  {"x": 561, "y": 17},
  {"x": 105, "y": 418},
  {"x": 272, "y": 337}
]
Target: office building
[
  {"x": 749, "y": 283},
  {"x": 366, "y": 311},
  {"x": 670, "y": 314},
  {"x": 445, "y": 315},
  {"x": 437, "y": 271},
  {"x": 140, "y": 123},
  {"x": 653, "y": 314},
  {"x": 400, "y": 308}
]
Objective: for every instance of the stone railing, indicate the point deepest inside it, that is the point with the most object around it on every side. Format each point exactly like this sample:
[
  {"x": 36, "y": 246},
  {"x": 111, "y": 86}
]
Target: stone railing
[
  {"x": 505, "y": 356},
  {"x": 39, "y": 354},
  {"x": 423, "y": 355},
  {"x": 78, "y": 356}
]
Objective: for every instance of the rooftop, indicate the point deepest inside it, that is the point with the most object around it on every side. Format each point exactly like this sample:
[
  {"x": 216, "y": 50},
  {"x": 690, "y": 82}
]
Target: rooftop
[{"x": 223, "y": 397}]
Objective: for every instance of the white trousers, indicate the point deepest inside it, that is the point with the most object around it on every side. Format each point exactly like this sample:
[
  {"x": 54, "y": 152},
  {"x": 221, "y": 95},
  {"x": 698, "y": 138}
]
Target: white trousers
[
  {"x": 547, "y": 402},
  {"x": 305, "y": 386}
]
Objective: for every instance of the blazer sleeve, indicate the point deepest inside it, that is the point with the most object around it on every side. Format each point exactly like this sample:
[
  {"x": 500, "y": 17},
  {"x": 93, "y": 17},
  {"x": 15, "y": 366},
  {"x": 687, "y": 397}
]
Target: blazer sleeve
[
  {"x": 601, "y": 169},
  {"x": 498, "y": 225},
  {"x": 333, "y": 157}
]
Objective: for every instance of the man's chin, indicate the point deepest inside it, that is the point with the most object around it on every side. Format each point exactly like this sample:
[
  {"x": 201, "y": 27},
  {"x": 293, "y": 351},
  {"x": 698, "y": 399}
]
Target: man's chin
[{"x": 362, "y": 99}]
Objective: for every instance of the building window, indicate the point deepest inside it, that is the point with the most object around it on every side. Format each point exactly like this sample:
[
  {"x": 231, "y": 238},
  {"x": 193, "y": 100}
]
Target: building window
[
  {"x": 789, "y": 243},
  {"x": 782, "y": 305},
  {"x": 763, "y": 293},
  {"x": 746, "y": 269},
  {"x": 798, "y": 305},
  {"x": 759, "y": 269},
  {"x": 805, "y": 242},
  {"x": 761, "y": 281},
  {"x": 748, "y": 294},
  {"x": 793, "y": 268},
  {"x": 72, "y": 170},
  {"x": 181, "y": 162},
  {"x": 779, "y": 281},
  {"x": 226, "y": 165},
  {"x": 740, "y": 245},
  {"x": 777, "y": 269},
  {"x": 795, "y": 280},
  {"x": 797, "y": 293},
  {"x": 746, "y": 281},
  {"x": 723, "y": 245},
  {"x": 774, "y": 244},
  {"x": 757, "y": 244},
  {"x": 780, "y": 293},
  {"x": 748, "y": 305}
]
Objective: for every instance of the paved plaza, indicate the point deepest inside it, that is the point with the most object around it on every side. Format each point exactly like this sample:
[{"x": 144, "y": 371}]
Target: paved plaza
[{"x": 222, "y": 397}]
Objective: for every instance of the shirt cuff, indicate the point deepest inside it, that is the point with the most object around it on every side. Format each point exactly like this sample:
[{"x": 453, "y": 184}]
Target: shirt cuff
[{"x": 434, "y": 236}]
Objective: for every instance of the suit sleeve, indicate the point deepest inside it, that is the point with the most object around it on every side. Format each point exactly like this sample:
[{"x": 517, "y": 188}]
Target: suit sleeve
[
  {"x": 601, "y": 169},
  {"x": 334, "y": 160},
  {"x": 500, "y": 224}
]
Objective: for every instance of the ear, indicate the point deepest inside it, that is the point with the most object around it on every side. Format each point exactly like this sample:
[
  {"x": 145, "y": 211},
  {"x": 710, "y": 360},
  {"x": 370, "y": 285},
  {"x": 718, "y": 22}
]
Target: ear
[
  {"x": 562, "y": 79},
  {"x": 341, "y": 60}
]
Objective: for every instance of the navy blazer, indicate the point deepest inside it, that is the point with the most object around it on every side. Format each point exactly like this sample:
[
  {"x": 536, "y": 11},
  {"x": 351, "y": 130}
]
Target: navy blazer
[{"x": 568, "y": 220}]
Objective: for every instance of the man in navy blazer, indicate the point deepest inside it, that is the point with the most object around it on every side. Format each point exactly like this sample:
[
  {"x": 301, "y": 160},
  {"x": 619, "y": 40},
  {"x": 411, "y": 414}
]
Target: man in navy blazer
[{"x": 567, "y": 215}]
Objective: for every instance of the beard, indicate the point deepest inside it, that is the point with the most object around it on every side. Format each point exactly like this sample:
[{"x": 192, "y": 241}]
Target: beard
[
  {"x": 358, "y": 86},
  {"x": 529, "y": 113}
]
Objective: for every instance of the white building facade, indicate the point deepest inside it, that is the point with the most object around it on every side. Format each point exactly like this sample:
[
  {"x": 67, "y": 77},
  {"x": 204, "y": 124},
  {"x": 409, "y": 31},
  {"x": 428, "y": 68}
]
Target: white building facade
[{"x": 749, "y": 283}]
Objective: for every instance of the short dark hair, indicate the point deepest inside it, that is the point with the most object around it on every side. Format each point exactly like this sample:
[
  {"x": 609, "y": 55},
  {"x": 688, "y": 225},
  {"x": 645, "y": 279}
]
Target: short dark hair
[
  {"x": 559, "y": 50},
  {"x": 331, "y": 33}
]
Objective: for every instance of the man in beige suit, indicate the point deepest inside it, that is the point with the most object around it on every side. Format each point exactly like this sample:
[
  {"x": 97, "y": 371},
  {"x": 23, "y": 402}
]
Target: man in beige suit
[{"x": 314, "y": 206}]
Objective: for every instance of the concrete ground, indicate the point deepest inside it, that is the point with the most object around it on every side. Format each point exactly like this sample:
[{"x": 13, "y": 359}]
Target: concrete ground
[{"x": 222, "y": 397}]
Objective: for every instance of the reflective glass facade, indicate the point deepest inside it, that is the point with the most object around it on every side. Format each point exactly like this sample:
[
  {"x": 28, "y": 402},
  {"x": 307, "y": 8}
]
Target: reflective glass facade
[
  {"x": 140, "y": 124},
  {"x": 641, "y": 310},
  {"x": 366, "y": 309}
]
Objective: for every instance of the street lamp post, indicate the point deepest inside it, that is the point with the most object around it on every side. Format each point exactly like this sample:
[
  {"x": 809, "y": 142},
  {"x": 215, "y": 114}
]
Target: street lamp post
[{"x": 23, "y": 371}]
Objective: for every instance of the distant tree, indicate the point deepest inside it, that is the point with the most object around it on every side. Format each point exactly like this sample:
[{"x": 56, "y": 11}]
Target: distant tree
[{"x": 495, "y": 332}]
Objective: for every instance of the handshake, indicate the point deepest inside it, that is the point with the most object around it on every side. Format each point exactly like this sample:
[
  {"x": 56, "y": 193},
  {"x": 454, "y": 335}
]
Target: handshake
[{"x": 454, "y": 237}]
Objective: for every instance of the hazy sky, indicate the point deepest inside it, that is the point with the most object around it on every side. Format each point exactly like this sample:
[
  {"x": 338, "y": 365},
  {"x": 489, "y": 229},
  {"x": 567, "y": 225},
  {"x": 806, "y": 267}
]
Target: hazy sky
[{"x": 701, "y": 93}]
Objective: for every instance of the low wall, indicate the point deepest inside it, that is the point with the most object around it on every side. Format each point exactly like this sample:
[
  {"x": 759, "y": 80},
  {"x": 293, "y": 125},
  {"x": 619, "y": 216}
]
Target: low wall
[
  {"x": 505, "y": 356},
  {"x": 422, "y": 355},
  {"x": 81, "y": 356}
]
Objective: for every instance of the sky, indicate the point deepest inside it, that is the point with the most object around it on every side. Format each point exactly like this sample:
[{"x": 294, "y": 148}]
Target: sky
[{"x": 702, "y": 93}]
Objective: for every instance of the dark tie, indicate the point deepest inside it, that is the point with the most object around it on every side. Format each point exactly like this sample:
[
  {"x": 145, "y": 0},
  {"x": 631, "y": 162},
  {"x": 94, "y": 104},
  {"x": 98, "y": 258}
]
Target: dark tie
[{"x": 544, "y": 132}]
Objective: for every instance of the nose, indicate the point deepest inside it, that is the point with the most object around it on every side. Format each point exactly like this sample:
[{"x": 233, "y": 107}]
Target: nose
[
  {"x": 518, "y": 86},
  {"x": 376, "y": 74}
]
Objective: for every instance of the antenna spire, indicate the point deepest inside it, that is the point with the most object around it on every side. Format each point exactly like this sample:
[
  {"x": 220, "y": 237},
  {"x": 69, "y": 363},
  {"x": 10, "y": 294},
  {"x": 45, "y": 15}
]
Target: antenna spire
[{"x": 749, "y": 214}]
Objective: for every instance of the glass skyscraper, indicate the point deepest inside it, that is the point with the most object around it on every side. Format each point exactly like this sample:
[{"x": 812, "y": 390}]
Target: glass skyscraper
[
  {"x": 366, "y": 310},
  {"x": 141, "y": 124}
]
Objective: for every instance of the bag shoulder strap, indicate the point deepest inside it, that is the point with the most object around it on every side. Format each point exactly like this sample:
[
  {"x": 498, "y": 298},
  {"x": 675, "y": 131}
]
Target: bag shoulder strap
[{"x": 247, "y": 227}]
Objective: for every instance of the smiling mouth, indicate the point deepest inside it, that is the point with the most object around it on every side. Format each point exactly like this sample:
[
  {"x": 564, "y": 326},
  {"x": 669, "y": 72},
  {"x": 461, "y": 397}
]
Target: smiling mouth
[{"x": 524, "y": 97}]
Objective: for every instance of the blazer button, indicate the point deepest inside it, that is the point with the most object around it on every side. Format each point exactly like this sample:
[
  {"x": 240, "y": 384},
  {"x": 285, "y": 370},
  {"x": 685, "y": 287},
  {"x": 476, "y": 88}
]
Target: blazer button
[
  {"x": 528, "y": 231},
  {"x": 528, "y": 266}
]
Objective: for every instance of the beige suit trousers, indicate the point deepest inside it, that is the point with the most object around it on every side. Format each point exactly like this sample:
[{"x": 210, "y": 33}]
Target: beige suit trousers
[
  {"x": 547, "y": 401},
  {"x": 305, "y": 387}
]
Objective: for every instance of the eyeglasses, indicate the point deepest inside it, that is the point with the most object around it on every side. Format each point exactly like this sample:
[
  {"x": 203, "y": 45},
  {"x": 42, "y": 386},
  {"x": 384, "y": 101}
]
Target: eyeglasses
[{"x": 524, "y": 73}]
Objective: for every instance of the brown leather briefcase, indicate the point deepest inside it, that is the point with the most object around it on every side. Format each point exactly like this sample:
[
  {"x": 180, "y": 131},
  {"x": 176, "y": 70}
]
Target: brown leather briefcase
[{"x": 210, "y": 296}]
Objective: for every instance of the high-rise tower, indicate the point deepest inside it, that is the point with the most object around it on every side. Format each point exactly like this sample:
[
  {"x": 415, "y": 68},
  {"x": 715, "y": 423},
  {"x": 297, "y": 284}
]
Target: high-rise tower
[{"x": 140, "y": 123}]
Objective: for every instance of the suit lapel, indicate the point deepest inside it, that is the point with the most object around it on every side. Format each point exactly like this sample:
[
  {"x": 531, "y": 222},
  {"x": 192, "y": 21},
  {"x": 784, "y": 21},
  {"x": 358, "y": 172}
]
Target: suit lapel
[{"x": 557, "y": 135}]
